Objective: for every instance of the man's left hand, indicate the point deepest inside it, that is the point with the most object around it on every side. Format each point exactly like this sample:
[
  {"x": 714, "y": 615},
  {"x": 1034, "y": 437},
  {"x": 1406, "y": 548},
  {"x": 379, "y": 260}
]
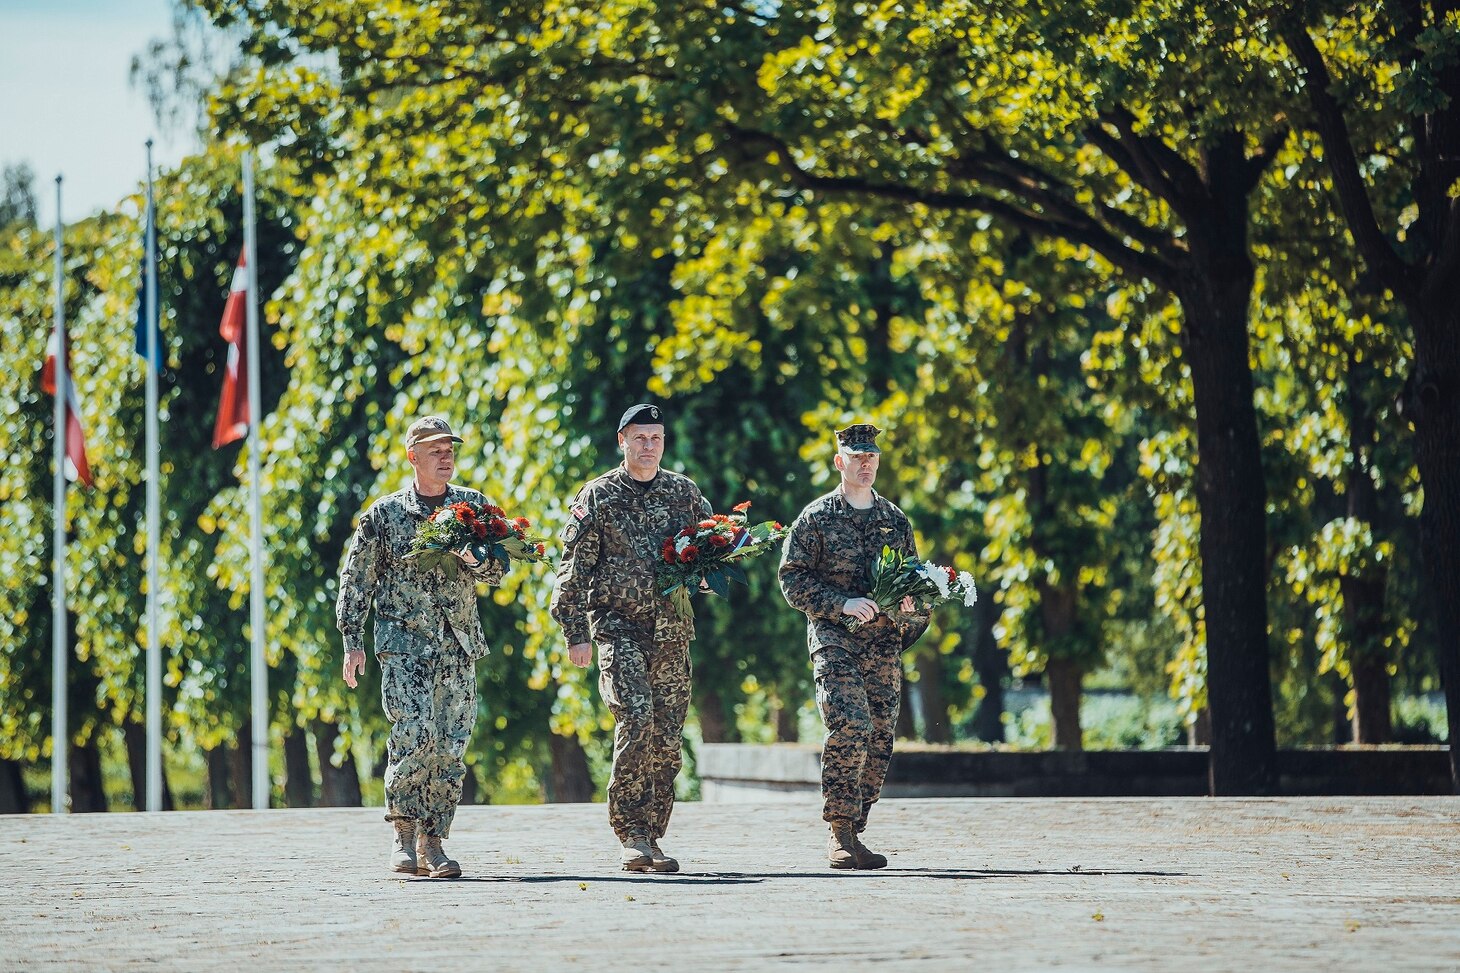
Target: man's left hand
[
  {"x": 907, "y": 605},
  {"x": 468, "y": 558}
]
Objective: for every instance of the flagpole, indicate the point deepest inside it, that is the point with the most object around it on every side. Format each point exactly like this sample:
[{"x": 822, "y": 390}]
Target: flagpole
[
  {"x": 154, "y": 515},
  {"x": 259, "y": 673},
  {"x": 60, "y": 738}
]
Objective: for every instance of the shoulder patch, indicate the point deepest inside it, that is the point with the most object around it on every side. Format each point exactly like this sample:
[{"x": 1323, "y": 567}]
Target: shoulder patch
[
  {"x": 569, "y": 533},
  {"x": 580, "y": 511}
]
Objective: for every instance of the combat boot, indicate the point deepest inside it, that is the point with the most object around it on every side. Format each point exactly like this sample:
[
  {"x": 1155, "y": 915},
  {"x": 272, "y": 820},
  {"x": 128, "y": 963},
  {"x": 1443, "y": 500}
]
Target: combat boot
[
  {"x": 403, "y": 848},
  {"x": 637, "y": 856},
  {"x": 841, "y": 846},
  {"x": 866, "y": 857},
  {"x": 431, "y": 859},
  {"x": 661, "y": 862}
]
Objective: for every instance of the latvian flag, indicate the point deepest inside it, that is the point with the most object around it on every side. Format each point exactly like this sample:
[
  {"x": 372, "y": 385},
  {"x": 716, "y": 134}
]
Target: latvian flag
[
  {"x": 76, "y": 466},
  {"x": 233, "y": 407}
]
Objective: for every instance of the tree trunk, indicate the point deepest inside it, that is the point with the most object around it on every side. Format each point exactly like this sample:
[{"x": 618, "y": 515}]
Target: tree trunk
[
  {"x": 1232, "y": 497},
  {"x": 1063, "y": 677},
  {"x": 87, "y": 794},
  {"x": 715, "y": 726},
  {"x": 1363, "y": 597},
  {"x": 217, "y": 795},
  {"x": 936, "y": 728},
  {"x": 570, "y": 782},
  {"x": 241, "y": 766},
  {"x": 338, "y": 786},
  {"x": 992, "y": 665},
  {"x": 298, "y": 781},
  {"x": 134, "y": 735},
  {"x": 1432, "y": 403},
  {"x": 470, "y": 785},
  {"x": 788, "y": 723},
  {"x": 13, "y": 797},
  {"x": 1199, "y": 730}
]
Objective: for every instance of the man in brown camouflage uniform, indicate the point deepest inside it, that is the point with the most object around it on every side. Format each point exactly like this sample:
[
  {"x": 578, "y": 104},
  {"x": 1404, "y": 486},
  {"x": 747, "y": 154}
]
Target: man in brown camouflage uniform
[
  {"x": 826, "y": 573},
  {"x": 428, "y": 637},
  {"x": 607, "y": 595}
]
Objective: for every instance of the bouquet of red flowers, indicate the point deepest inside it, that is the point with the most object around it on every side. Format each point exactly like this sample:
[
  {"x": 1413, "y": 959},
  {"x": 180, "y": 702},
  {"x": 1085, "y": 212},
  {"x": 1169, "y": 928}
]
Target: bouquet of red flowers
[
  {"x": 896, "y": 576},
  {"x": 481, "y": 529},
  {"x": 707, "y": 554}
]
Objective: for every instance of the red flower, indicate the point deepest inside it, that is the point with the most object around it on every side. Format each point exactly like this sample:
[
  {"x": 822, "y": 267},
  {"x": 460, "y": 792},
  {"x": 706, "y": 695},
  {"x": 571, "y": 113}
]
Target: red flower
[
  {"x": 719, "y": 540},
  {"x": 707, "y": 524},
  {"x": 688, "y": 555},
  {"x": 479, "y": 529},
  {"x": 542, "y": 550},
  {"x": 740, "y": 508},
  {"x": 521, "y": 523},
  {"x": 687, "y": 532},
  {"x": 952, "y": 575},
  {"x": 463, "y": 512},
  {"x": 721, "y": 519},
  {"x": 668, "y": 552},
  {"x": 497, "y": 527},
  {"x": 777, "y": 524}
]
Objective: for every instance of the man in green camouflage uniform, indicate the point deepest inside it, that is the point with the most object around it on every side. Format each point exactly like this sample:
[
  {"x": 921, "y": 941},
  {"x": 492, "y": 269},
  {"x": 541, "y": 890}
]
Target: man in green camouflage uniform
[
  {"x": 607, "y": 595},
  {"x": 826, "y": 573},
  {"x": 428, "y": 637}
]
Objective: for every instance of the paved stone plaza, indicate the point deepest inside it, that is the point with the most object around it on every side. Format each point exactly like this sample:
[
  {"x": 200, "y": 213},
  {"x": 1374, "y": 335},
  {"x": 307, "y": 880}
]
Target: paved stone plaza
[{"x": 992, "y": 885}]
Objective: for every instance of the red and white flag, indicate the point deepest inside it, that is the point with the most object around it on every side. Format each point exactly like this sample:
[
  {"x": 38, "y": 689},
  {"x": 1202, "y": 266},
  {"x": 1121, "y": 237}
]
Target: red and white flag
[
  {"x": 76, "y": 466},
  {"x": 233, "y": 406}
]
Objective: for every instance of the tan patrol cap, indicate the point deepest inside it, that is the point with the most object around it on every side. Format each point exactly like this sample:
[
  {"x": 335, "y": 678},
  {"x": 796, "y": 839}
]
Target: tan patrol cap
[{"x": 429, "y": 429}]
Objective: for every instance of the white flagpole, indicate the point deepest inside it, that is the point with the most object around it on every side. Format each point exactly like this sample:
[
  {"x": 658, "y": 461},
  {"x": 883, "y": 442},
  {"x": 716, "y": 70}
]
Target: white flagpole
[
  {"x": 60, "y": 739},
  {"x": 154, "y": 515},
  {"x": 259, "y": 673}
]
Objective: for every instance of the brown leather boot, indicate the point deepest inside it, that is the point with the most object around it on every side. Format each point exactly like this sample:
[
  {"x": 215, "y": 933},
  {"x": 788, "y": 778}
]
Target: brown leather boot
[
  {"x": 841, "y": 846},
  {"x": 636, "y": 855},
  {"x": 431, "y": 859},
  {"x": 403, "y": 848},
  {"x": 661, "y": 862},
  {"x": 866, "y": 857}
]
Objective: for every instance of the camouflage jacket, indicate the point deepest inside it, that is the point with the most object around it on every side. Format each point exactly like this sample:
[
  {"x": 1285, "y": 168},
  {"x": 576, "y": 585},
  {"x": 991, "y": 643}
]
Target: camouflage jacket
[
  {"x": 416, "y": 609},
  {"x": 828, "y": 559},
  {"x": 607, "y": 577}
]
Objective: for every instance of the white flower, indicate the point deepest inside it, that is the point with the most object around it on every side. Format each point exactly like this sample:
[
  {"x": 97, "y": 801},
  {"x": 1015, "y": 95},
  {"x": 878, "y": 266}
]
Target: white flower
[
  {"x": 680, "y": 543},
  {"x": 937, "y": 575},
  {"x": 970, "y": 590},
  {"x": 443, "y": 515}
]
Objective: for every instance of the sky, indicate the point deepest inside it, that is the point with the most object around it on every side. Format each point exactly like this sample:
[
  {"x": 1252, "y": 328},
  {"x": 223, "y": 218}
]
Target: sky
[{"x": 67, "y": 106}]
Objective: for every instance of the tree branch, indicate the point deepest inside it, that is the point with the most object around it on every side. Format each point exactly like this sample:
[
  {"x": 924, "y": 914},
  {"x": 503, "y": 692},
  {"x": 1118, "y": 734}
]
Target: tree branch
[
  {"x": 1087, "y": 232},
  {"x": 1353, "y": 196}
]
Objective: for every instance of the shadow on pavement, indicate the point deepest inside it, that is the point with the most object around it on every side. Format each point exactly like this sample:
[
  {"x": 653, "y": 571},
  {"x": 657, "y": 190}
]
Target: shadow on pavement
[{"x": 752, "y": 878}]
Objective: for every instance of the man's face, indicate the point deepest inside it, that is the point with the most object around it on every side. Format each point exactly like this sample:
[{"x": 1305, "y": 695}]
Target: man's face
[
  {"x": 435, "y": 460},
  {"x": 858, "y": 469},
  {"x": 643, "y": 445}
]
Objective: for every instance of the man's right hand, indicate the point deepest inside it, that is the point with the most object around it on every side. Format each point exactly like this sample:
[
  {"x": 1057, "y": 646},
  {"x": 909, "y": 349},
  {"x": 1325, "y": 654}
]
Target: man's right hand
[
  {"x": 580, "y": 654},
  {"x": 862, "y": 609},
  {"x": 354, "y": 666}
]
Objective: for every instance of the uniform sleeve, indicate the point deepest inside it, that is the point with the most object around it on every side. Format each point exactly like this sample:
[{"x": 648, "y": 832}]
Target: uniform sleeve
[
  {"x": 801, "y": 584},
  {"x": 908, "y": 544},
  {"x": 490, "y": 570},
  {"x": 581, "y": 541},
  {"x": 357, "y": 582}
]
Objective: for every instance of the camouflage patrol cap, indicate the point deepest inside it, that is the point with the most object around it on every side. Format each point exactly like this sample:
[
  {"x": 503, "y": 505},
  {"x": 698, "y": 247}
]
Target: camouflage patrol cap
[
  {"x": 643, "y": 413},
  {"x": 860, "y": 437},
  {"x": 429, "y": 429}
]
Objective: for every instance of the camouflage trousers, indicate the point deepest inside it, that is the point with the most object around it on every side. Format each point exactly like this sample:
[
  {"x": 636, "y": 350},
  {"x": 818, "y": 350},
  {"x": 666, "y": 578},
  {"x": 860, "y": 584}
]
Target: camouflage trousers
[
  {"x": 431, "y": 702},
  {"x": 858, "y": 695},
  {"x": 646, "y": 687}
]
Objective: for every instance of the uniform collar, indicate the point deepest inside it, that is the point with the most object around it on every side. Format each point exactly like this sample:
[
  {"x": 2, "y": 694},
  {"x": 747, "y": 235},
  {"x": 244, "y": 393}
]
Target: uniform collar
[
  {"x": 627, "y": 482},
  {"x": 840, "y": 500},
  {"x": 412, "y": 502}
]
